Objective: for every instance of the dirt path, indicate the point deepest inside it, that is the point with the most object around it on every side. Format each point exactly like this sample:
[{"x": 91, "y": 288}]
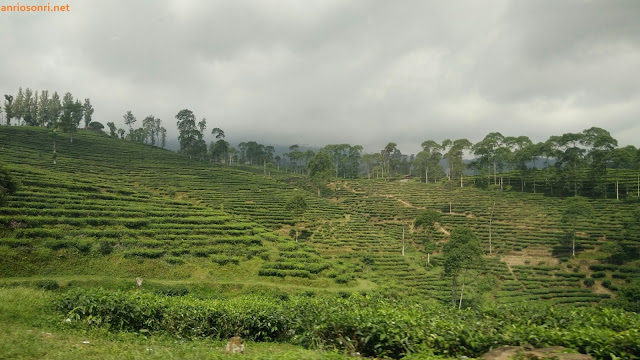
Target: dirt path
[
  {"x": 403, "y": 202},
  {"x": 442, "y": 230}
]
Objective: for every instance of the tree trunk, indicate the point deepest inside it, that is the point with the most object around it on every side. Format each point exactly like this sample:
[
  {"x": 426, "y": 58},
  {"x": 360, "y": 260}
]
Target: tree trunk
[
  {"x": 617, "y": 192},
  {"x": 296, "y": 235},
  {"x": 428, "y": 259},
  {"x": 575, "y": 182},
  {"x": 534, "y": 180},
  {"x": 403, "y": 241},
  {"x": 460, "y": 179},
  {"x": 573, "y": 243},
  {"x": 454, "y": 289},
  {"x": 464, "y": 278},
  {"x": 495, "y": 174},
  {"x": 426, "y": 175}
]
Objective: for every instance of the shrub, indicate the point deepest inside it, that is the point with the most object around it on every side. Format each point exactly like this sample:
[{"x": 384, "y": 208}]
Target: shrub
[
  {"x": 589, "y": 282},
  {"x": 607, "y": 284},
  {"x": 144, "y": 253},
  {"x": 105, "y": 247},
  {"x": 372, "y": 326},
  {"x": 178, "y": 291},
  {"x": 47, "y": 284},
  {"x": 174, "y": 260}
]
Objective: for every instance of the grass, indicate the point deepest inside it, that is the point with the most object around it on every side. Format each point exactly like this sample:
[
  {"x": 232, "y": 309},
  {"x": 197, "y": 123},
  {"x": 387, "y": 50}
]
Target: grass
[{"x": 29, "y": 330}]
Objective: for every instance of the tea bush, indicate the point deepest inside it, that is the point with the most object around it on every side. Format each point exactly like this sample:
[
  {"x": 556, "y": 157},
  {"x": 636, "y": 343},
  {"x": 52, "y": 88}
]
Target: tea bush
[{"x": 372, "y": 326}]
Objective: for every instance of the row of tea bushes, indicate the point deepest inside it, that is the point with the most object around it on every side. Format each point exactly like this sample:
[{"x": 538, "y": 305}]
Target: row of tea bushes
[{"x": 371, "y": 326}]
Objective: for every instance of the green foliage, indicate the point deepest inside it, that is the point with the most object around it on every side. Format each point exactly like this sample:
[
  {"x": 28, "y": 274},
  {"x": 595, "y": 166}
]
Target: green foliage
[
  {"x": 320, "y": 170},
  {"x": 427, "y": 219},
  {"x": 190, "y": 136},
  {"x": 8, "y": 185},
  {"x": 576, "y": 209},
  {"x": 296, "y": 204},
  {"x": 105, "y": 247},
  {"x": 629, "y": 297},
  {"x": 589, "y": 282},
  {"x": 47, "y": 284},
  {"x": 368, "y": 325},
  {"x": 462, "y": 252}
]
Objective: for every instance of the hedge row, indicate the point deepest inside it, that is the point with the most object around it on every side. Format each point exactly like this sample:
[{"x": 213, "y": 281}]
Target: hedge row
[{"x": 370, "y": 326}]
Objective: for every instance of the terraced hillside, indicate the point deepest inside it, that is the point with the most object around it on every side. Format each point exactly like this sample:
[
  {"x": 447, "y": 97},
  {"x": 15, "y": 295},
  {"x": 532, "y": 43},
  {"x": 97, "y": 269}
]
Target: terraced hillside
[{"x": 110, "y": 208}]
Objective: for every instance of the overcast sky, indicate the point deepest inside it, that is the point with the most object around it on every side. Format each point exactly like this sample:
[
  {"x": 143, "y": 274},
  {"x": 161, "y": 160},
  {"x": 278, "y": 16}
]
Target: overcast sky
[{"x": 335, "y": 71}]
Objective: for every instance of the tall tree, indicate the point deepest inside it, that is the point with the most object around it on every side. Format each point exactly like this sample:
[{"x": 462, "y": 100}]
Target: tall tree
[
  {"x": 129, "y": 120},
  {"x": 43, "y": 108},
  {"x": 88, "y": 110},
  {"x": 76, "y": 116},
  {"x": 190, "y": 137},
  {"x": 461, "y": 253},
  {"x": 570, "y": 156},
  {"x": 18, "y": 105},
  {"x": 112, "y": 129},
  {"x": 27, "y": 107},
  {"x": 8, "y": 108},
  {"x": 157, "y": 128},
  {"x": 389, "y": 150},
  {"x": 576, "y": 209},
  {"x": 218, "y": 133},
  {"x": 163, "y": 134},
  {"x": 219, "y": 150},
  {"x": 521, "y": 155},
  {"x": 428, "y": 160},
  {"x": 454, "y": 157},
  {"x": 344, "y": 157},
  {"x": 294, "y": 155},
  {"x": 55, "y": 110},
  {"x": 202, "y": 125},
  {"x": 149, "y": 126},
  {"x": 599, "y": 144},
  {"x": 320, "y": 169},
  {"x": 67, "y": 119},
  {"x": 427, "y": 220},
  {"x": 485, "y": 151},
  {"x": 369, "y": 160}
]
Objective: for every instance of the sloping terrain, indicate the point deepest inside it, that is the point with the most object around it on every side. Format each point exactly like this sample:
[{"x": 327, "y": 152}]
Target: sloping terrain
[{"x": 112, "y": 208}]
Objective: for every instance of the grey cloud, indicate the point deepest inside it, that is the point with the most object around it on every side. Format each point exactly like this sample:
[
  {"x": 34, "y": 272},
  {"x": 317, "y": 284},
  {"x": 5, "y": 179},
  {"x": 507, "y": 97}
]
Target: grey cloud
[{"x": 319, "y": 72}]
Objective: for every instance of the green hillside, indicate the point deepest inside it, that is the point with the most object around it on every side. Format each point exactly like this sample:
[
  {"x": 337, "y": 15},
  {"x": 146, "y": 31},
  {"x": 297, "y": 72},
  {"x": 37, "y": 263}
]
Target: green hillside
[{"x": 109, "y": 211}]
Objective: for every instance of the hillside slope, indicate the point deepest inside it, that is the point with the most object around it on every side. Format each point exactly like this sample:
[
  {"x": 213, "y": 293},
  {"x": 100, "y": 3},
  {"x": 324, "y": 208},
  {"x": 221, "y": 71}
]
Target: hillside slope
[{"x": 111, "y": 208}]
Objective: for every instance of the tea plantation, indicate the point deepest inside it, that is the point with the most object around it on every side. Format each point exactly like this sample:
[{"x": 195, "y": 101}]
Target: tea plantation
[{"x": 220, "y": 253}]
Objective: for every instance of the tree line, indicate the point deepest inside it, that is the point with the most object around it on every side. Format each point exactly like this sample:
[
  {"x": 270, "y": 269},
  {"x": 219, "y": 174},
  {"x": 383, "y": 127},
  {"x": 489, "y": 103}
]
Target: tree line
[
  {"x": 586, "y": 163},
  {"x": 35, "y": 108},
  {"x": 151, "y": 133}
]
